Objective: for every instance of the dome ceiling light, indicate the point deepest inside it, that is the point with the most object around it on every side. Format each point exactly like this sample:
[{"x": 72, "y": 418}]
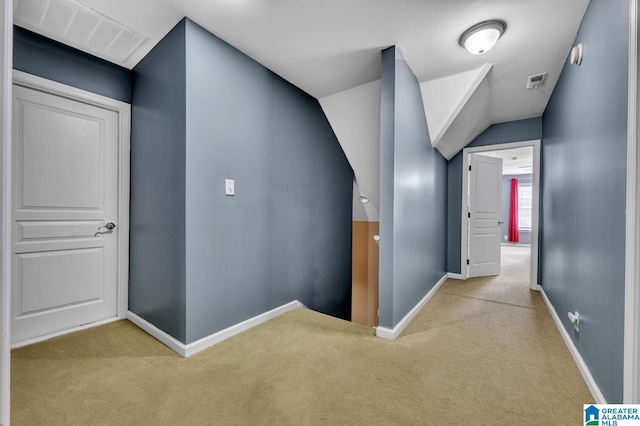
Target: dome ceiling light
[{"x": 481, "y": 37}]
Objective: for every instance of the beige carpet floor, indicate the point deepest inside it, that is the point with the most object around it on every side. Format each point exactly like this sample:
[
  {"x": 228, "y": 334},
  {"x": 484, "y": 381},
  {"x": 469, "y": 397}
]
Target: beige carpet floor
[{"x": 484, "y": 351}]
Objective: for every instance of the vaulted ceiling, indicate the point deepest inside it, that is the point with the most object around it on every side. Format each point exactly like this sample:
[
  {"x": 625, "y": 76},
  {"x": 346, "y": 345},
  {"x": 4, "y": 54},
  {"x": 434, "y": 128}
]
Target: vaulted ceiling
[{"x": 330, "y": 47}]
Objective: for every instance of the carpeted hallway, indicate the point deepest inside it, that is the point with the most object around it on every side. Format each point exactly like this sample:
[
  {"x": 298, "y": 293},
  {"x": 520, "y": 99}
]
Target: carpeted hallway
[{"x": 484, "y": 351}]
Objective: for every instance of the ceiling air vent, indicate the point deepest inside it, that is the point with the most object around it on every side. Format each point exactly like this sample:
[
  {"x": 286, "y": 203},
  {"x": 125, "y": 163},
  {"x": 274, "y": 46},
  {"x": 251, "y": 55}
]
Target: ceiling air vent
[
  {"x": 76, "y": 25},
  {"x": 535, "y": 81}
]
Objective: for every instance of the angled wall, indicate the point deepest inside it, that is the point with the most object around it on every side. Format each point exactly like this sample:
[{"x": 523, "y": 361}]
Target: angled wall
[
  {"x": 286, "y": 234},
  {"x": 413, "y": 195},
  {"x": 583, "y": 193},
  {"x": 157, "y": 275},
  {"x": 202, "y": 261}
]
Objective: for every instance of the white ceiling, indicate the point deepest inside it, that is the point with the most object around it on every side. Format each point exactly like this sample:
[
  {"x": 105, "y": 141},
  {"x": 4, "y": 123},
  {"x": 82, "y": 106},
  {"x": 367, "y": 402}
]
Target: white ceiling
[
  {"x": 515, "y": 161},
  {"x": 326, "y": 47},
  {"x": 151, "y": 18}
]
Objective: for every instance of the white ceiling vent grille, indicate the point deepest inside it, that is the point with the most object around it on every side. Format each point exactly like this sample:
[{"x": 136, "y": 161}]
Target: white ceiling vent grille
[
  {"x": 76, "y": 25},
  {"x": 535, "y": 81}
]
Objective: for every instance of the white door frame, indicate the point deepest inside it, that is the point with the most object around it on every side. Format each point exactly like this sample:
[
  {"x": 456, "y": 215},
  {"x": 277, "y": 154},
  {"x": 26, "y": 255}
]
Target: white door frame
[
  {"x": 5, "y": 203},
  {"x": 124, "y": 130},
  {"x": 533, "y": 279},
  {"x": 631, "y": 384}
]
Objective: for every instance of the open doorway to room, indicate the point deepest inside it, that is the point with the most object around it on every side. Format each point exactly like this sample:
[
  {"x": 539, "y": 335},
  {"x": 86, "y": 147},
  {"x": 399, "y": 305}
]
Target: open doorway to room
[{"x": 500, "y": 212}]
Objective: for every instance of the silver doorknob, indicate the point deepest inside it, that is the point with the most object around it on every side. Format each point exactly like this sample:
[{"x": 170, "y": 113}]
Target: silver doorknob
[{"x": 106, "y": 229}]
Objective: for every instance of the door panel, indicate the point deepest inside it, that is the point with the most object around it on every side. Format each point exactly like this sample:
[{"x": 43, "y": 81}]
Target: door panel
[
  {"x": 27, "y": 231},
  {"x": 56, "y": 279},
  {"x": 485, "y": 195},
  {"x": 65, "y": 189},
  {"x": 62, "y": 159}
]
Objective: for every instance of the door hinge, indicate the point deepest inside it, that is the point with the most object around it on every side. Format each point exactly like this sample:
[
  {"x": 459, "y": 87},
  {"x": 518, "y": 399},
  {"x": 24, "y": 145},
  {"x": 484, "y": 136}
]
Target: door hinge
[
  {"x": 469, "y": 168},
  {"x": 469, "y": 214},
  {"x": 467, "y": 261}
]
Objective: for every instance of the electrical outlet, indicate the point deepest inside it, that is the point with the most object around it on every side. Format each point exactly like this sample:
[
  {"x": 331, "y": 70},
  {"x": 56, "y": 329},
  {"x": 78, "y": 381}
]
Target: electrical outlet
[{"x": 574, "y": 317}]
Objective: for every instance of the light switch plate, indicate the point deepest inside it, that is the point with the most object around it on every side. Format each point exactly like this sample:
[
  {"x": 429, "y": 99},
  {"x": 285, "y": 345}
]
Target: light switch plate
[{"x": 229, "y": 187}]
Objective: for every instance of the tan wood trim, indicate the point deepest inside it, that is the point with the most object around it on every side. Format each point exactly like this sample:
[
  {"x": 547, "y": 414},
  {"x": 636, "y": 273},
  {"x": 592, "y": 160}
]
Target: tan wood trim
[{"x": 364, "y": 305}]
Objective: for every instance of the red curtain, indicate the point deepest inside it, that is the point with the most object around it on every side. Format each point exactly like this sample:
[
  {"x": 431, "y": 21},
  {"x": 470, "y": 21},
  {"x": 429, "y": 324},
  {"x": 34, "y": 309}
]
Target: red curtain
[{"x": 514, "y": 236}]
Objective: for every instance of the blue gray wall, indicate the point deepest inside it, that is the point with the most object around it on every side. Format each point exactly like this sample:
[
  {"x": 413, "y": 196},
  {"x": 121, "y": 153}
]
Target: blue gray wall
[
  {"x": 583, "y": 193},
  {"x": 513, "y": 131},
  {"x": 286, "y": 234},
  {"x": 413, "y": 195},
  {"x": 38, "y": 55},
  {"x": 525, "y": 236},
  {"x": 204, "y": 112},
  {"x": 157, "y": 275}
]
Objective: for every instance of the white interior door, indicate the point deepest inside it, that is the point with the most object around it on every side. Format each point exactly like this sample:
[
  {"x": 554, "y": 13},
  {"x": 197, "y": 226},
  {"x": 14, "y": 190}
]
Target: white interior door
[
  {"x": 485, "y": 201},
  {"x": 65, "y": 177}
]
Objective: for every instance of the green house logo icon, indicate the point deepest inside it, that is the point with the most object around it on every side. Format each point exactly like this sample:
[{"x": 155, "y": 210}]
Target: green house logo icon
[{"x": 592, "y": 416}]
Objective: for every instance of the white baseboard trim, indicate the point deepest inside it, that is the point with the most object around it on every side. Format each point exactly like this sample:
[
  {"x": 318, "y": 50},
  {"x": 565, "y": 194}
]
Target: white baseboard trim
[
  {"x": 171, "y": 342},
  {"x": 455, "y": 276},
  {"x": 582, "y": 366},
  {"x": 186, "y": 350},
  {"x": 394, "y": 333},
  {"x": 221, "y": 335},
  {"x": 28, "y": 342}
]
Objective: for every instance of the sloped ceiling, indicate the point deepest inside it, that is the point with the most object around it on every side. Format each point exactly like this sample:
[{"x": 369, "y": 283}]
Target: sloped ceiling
[
  {"x": 331, "y": 46},
  {"x": 355, "y": 117},
  {"x": 457, "y": 109}
]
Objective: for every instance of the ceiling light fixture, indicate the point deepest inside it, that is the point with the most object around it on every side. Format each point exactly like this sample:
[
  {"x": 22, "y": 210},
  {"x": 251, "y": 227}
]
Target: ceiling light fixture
[{"x": 483, "y": 36}]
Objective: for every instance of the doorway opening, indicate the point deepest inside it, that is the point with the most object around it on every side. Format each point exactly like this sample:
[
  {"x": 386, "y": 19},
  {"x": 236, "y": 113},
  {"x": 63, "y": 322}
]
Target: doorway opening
[{"x": 486, "y": 236}]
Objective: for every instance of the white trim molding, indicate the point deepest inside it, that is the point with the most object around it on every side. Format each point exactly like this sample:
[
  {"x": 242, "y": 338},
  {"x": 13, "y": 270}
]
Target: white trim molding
[
  {"x": 186, "y": 350},
  {"x": 124, "y": 159},
  {"x": 535, "y": 218},
  {"x": 164, "y": 338},
  {"x": 124, "y": 188},
  {"x": 631, "y": 382},
  {"x": 582, "y": 366},
  {"x": 455, "y": 276},
  {"x": 5, "y": 205},
  {"x": 394, "y": 333}
]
